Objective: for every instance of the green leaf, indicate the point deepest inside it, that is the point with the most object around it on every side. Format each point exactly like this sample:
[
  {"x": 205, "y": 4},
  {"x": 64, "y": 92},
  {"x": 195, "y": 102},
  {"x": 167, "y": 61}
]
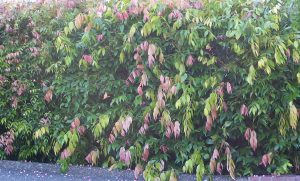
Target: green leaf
[
  {"x": 104, "y": 120},
  {"x": 251, "y": 75},
  {"x": 200, "y": 172},
  {"x": 122, "y": 57}
]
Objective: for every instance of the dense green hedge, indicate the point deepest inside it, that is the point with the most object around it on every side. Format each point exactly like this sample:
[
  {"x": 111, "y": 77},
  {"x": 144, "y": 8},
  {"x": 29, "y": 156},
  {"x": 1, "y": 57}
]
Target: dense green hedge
[{"x": 202, "y": 87}]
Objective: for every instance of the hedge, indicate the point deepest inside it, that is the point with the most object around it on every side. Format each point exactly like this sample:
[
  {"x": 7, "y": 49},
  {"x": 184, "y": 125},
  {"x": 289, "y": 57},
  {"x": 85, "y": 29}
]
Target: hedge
[{"x": 162, "y": 87}]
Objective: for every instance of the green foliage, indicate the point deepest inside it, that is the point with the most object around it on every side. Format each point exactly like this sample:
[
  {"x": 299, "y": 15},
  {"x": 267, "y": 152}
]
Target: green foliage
[{"x": 180, "y": 86}]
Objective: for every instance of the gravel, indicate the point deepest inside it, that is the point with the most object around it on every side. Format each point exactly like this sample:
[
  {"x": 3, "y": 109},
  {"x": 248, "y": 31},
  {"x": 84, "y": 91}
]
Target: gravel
[
  {"x": 31, "y": 171},
  {"x": 23, "y": 171}
]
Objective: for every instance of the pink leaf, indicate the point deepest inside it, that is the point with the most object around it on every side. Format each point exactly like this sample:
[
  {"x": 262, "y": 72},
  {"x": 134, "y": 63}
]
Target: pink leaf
[
  {"x": 21, "y": 89},
  {"x": 137, "y": 57},
  {"x": 144, "y": 79},
  {"x": 208, "y": 124},
  {"x": 162, "y": 165},
  {"x": 137, "y": 72},
  {"x": 169, "y": 131},
  {"x": 146, "y": 126},
  {"x": 101, "y": 9},
  {"x": 123, "y": 133},
  {"x": 122, "y": 154},
  {"x": 146, "y": 15},
  {"x": 212, "y": 165},
  {"x": 36, "y": 35},
  {"x": 253, "y": 140},
  {"x": 119, "y": 16},
  {"x": 219, "y": 168},
  {"x": 247, "y": 134},
  {"x": 215, "y": 154},
  {"x": 165, "y": 84},
  {"x": 227, "y": 150},
  {"x": 266, "y": 159},
  {"x": 147, "y": 118},
  {"x": 133, "y": 10},
  {"x": 44, "y": 121},
  {"x": 134, "y": 2},
  {"x": 2, "y": 80},
  {"x": 8, "y": 149},
  {"x": 214, "y": 112},
  {"x": 151, "y": 50},
  {"x": 144, "y": 46},
  {"x": 127, "y": 142},
  {"x": 88, "y": 158},
  {"x": 173, "y": 90},
  {"x": 171, "y": 16},
  {"x": 140, "y": 67},
  {"x": 126, "y": 124},
  {"x": 70, "y": 4},
  {"x": 197, "y": 5},
  {"x": 76, "y": 122},
  {"x": 220, "y": 91},
  {"x": 81, "y": 130},
  {"x": 125, "y": 15},
  {"x": 229, "y": 88},
  {"x": 244, "y": 110},
  {"x": 142, "y": 130},
  {"x": 127, "y": 157},
  {"x": 145, "y": 153},
  {"x": 176, "y": 129},
  {"x": 134, "y": 74},
  {"x": 155, "y": 113},
  {"x": 164, "y": 148},
  {"x": 111, "y": 138},
  {"x": 224, "y": 105},
  {"x": 140, "y": 90},
  {"x": 160, "y": 13},
  {"x": 160, "y": 100},
  {"x": 105, "y": 96},
  {"x": 127, "y": 83},
  {"x": 65, "y": 154},
  {"x": 190, "y": 60},
  {"x": 100, "y": 37},
  {"x": 162, "y": 79},
  {"x": 15, "y": 101},
  {"x": 88, "y": 59},
  {"x": 151, "y": 60},
  {"x": 288, "y": 53},
  {"x": 175, "y": 14},
  {"x": 131, "y": 79},
  {"x": 137, "y": 171}
]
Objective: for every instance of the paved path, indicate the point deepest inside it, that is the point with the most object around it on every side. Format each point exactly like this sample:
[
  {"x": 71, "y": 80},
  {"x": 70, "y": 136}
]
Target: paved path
[{"x": 29, "y": 171}]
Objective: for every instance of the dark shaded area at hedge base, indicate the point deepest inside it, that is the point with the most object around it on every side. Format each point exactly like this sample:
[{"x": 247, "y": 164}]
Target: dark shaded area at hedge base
[{"x": 13, "y": 170}]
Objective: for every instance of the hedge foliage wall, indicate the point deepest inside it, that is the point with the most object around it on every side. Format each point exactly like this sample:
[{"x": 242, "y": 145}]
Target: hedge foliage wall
[{"x": 159, "y": 86}]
